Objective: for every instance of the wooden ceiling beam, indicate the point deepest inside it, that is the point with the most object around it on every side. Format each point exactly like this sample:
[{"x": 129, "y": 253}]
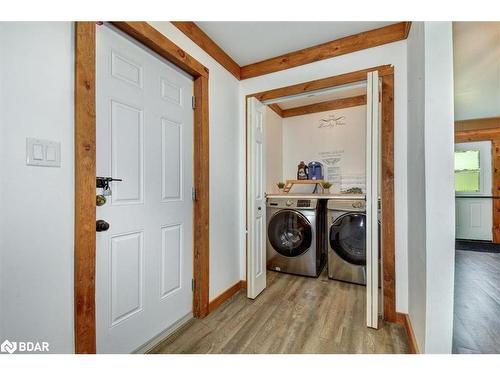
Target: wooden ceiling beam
[
  {"x": 325, "y": 106},
  {"x": 342, "y": 46},
  {"x": 198, "y": 36},
  {"x": 349, "y": 44}
]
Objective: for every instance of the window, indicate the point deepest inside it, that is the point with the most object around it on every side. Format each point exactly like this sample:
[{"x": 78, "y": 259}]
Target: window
[{"x": 467, "y": 171}]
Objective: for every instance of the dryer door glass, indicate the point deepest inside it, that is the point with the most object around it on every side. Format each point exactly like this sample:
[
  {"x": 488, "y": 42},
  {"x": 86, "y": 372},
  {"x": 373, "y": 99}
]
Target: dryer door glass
[
  {"x": 348, "y": 238},
  {"x": 290, "y": 233}
]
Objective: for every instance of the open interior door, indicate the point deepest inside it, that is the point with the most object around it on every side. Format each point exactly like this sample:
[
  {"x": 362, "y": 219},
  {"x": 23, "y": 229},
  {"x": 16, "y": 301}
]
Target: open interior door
[
  {"x": 256, "y": 201},
  {"x": 372, "y": 197}
]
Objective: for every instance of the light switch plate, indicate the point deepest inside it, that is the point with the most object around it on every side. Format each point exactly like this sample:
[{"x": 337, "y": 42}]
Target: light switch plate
[{"x": 43, "y": 153}]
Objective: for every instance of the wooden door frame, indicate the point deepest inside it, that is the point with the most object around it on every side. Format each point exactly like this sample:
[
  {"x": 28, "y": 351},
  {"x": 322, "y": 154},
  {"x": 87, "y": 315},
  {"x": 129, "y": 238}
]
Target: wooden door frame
[
  {"x": 85, "y": 171},
  {"x": 493, "y": 135},
  {"x": 386, "y": 74}
]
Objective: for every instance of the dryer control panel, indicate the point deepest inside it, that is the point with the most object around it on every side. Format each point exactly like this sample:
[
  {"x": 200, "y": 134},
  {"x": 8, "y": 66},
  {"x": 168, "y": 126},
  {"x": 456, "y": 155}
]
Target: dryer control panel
[{"x": 348, "y": 205}]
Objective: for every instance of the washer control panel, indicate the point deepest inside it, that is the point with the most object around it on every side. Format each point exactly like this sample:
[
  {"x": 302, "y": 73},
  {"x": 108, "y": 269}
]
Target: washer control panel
[
  {"x": 303, "y": 203},
  {"x": 292, "y": 203}
]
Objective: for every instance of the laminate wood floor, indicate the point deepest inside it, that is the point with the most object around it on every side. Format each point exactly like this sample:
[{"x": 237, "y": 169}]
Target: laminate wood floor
[
  {"x": 293, "y": 315},
  {"x": 476, "y": 323}
]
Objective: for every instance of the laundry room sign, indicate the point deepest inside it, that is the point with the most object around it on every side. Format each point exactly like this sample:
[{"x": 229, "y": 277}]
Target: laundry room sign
[{"x": 332, "y": 121}]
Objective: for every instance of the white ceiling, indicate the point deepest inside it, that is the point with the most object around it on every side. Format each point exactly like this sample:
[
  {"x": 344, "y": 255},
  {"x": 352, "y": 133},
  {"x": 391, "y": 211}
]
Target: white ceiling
[
  {"x": 250, "y": 42},
  {"x": 476, "y": 50}
]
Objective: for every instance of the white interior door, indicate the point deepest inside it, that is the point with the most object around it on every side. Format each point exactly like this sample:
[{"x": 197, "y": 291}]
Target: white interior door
[
  {"x": 256, "y": 201},
  {"x": 473, "y": 207},
  {"x": 372, "y": 196},
  {"x": 145, "y": 137}
]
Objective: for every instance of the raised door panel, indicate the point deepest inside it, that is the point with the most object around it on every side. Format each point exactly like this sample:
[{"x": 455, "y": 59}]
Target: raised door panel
[
  {"x": 124, "y": 69},
  {"x": 171, "y": 91},
  {"x": 127, "y": 153},
  {"x": 127, "y": 282},
  {"x": 172, "y": 165},
  {"x": 259, "y": 239},
  {"x": 171, "y": 259},
  {"x": 475, "y": 214},
  {"x": 259, "y": 188}
]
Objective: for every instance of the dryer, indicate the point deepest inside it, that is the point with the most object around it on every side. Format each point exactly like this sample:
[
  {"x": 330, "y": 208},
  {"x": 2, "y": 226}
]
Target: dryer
[
  {"x": 347, "y": 240},
  {"x": 296, "y": 235}
]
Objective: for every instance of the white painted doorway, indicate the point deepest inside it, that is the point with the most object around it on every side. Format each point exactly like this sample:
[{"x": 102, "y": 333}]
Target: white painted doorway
[
  {"x": 256, "y": 200},
  {"x": 144, "y": 132},
  {"x": 473, "y": 202}
]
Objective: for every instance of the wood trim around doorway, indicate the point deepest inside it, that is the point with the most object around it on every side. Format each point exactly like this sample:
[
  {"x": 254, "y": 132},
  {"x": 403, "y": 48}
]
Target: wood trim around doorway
[
  {"x": 85, "y": 171},
  {"x": 386, "y": 73}
]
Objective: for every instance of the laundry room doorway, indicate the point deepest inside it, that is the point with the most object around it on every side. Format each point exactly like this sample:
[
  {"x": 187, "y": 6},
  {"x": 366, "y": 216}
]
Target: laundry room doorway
[{"x": 371, "y": 89}]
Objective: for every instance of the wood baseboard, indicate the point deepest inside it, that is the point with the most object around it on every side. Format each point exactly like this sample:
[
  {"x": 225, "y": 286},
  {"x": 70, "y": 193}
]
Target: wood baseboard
[
  {"x": 404, "y": 319},
  {"x": 224, "y": 296}
]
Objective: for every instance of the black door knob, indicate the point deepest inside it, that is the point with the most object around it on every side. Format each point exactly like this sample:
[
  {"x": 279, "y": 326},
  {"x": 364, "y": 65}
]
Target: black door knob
[{"x": 101, "y": 226}]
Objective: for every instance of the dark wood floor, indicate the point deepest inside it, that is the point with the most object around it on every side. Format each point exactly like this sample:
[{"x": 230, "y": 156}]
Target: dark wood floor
[
  {"x": 293, "y": 315},
  {"x": 476, "y": 325}
]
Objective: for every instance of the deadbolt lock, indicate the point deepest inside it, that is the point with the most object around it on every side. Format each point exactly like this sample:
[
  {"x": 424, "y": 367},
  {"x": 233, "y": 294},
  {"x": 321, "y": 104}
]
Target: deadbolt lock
[{"x": 100, "y": 200}]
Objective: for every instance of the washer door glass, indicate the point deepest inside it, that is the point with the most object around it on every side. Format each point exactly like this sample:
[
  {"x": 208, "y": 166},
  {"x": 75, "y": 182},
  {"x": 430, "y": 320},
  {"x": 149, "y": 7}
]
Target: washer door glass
[
  {"x": 348, "y": 238},
  {"x": 289, "y": 233}
]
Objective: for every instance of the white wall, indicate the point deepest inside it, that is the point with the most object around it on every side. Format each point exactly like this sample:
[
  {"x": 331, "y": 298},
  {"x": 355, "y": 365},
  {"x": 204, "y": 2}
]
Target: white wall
[
  {"x": 416, "y": 181},
  {"x": 36, "y": 206},
  {"x": 303, "y": 139},
  {"x": 395, "y": 54},
  {"x": 439, "y": 185},
  {"x": 274, "y": 150},
  {"x": 36, "y": 231},
  {"x": 431, "y": 185},
  {"x": 476, "y": 49}
]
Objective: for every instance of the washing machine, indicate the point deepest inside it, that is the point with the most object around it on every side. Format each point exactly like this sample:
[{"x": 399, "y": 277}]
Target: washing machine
[
  {"x": 347, "y": 240},
  {"x": 296, "y": 235}
]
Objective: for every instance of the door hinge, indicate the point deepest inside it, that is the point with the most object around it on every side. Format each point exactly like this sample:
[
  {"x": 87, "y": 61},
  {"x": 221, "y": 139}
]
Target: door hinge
[
  {"x": 193, "y": 102},
  {"x": 192, "y": 285},
  {"x": 193, "y": 194}
]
